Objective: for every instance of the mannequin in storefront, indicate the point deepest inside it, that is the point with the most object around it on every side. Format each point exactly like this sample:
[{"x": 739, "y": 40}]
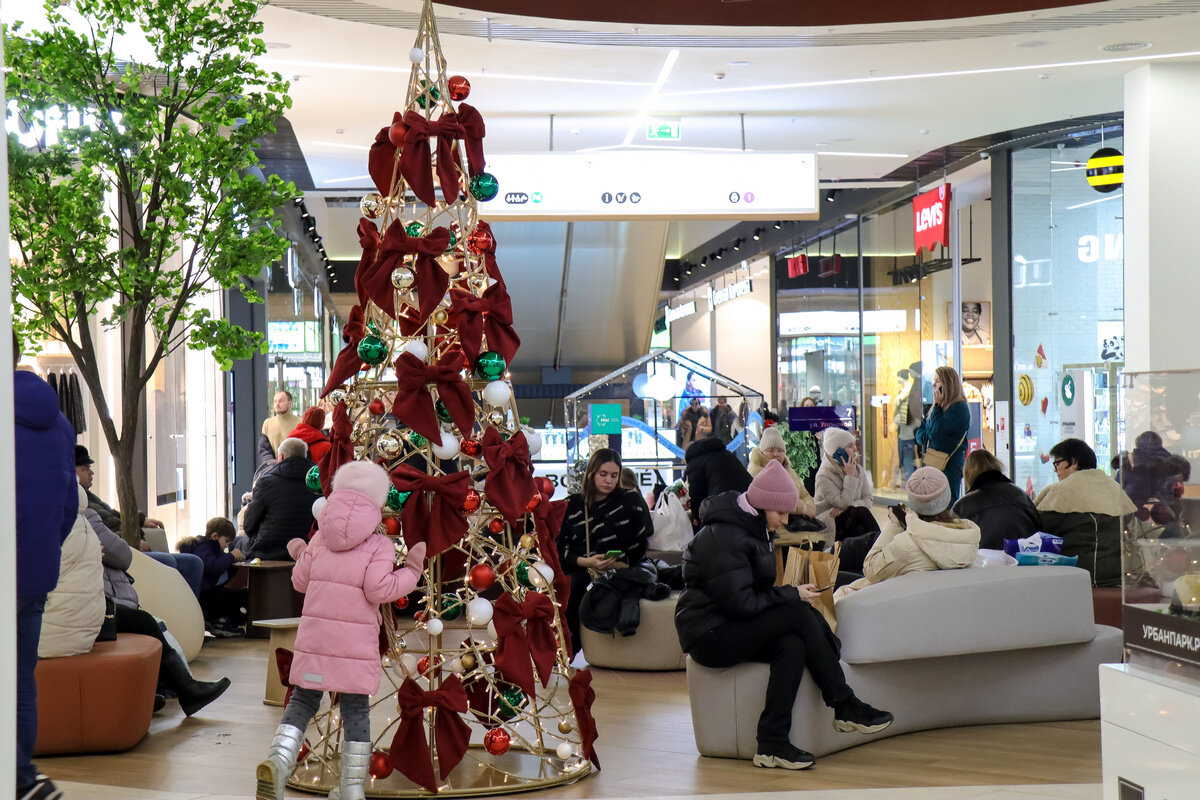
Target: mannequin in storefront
[{"x": 906, "y": 423}]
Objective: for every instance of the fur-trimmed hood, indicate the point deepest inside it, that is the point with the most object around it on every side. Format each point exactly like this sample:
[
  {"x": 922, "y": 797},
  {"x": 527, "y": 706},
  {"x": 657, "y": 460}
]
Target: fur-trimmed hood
[{"x": 1088, "y": 491}]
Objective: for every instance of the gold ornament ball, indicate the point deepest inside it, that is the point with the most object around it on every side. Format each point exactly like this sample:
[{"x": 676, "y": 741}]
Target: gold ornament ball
[
  {"x": 497, "y": 418},
  {"x": 439, "y": 317},
  {"x": 565, "y": 727},
  {"x": 402, "y": 277},
  {"x": 372, "y": 205},
  {"x": 527, "y": 541},
  {"x": 469, "y": 662},
  {"x": 389, "y": 444},
  {"x": 478, "y": 283}
]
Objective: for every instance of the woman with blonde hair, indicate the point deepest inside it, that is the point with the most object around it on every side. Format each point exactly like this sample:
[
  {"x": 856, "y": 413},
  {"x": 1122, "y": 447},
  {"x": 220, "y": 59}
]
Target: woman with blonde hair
[
  {"x": 1001, "y": 510},
  {"x": 945, "y": 427}
]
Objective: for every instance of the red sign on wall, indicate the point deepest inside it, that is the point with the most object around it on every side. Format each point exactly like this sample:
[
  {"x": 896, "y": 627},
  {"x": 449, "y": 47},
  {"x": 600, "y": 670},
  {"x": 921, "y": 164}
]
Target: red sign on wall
[
  {"x": 931, "y": 218},
  {"x": 797, "y": 266}
]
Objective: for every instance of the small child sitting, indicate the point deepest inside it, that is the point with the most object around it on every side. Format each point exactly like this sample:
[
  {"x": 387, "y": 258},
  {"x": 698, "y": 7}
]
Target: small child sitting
[{"x": 222, "y": 607}]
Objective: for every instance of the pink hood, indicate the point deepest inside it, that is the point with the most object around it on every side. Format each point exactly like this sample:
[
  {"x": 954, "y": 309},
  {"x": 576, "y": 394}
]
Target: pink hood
[{"x": 347, "y": 519}]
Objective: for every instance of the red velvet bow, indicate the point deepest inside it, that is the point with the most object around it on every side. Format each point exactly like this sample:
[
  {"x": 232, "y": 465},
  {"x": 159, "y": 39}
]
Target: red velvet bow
[
  {"x": 373, "y": 278},
  {"x": 489, "y": 315},
  {"x": 430, "y": 279},
  {"x": 489, "y": 258},
  {"x": 341, "y": 449},
  {"x": 283, "y": 664},
  {"x": 451, "y": 733},
  {"x": 473, "y": 131},
  {"x": 582, "y": 697},
  {"x": 547, "y": 518},
  {"x": 348, "y": 363},
  {"x": 523, "y": 647},
  {"x": 414, "y": 404},
  {"x": 438, "y": 520},
  {"x": 415, "y": 159},
  {"x": 381, "y": 161},
  {"x": 509, "y": 483}
]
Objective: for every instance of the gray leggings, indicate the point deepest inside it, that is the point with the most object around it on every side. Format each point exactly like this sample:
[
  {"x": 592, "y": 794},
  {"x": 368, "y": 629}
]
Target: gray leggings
[{"x": 356, "y": 712}]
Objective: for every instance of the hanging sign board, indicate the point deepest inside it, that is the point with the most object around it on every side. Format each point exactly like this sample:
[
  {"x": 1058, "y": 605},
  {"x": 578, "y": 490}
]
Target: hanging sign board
[
  {"x": 931, "y": 218},
  {"x": 653, "y": 184}
]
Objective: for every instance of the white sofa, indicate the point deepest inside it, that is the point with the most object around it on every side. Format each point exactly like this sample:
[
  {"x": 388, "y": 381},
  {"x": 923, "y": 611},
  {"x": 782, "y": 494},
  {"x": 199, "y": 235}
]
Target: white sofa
[
  {"x": 937, "y": 649},
  {"x": 653, "y": 648},
  {"x": 164, "y": 593}
]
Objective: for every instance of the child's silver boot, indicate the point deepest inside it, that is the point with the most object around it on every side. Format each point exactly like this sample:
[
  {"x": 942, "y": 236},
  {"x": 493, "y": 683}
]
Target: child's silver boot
[
  {"x": 272, "y": 773},
  {"x": 356, "y": 763}
]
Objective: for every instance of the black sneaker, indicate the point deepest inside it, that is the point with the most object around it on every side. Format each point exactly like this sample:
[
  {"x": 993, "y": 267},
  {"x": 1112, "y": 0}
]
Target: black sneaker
[
  {"x": 855, "y": 715},
  {"x": 783, "y": 755},
  {"x": 42, "y": 789}
]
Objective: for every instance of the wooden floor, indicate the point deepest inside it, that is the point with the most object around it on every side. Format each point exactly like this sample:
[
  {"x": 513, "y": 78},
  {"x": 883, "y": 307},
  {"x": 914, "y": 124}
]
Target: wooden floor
[{"x": 645, "y": 746}]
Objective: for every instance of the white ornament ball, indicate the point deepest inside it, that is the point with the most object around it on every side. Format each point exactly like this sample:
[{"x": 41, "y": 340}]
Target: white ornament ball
[
  {"x": 497, "y": 393},
  {"x": 417, "y": 348},
  {"x": 434, "y": 626},
  {"x": 408, "y": 663},
  {"x": 455, "y": 666},
  {"x": 415, "y": 55},
  {"x": 534, "y": 438},
  {"x": 448, "y": 447},
  {"x": 565, "y": 751},
  {"x": 318, "y": 504},
  {"x": 545, "y": 571},
  {"x": 479, "y": 612}
]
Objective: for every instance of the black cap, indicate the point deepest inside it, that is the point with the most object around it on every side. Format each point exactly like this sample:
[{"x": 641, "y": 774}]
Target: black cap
[{"x": 82, "y": 459}]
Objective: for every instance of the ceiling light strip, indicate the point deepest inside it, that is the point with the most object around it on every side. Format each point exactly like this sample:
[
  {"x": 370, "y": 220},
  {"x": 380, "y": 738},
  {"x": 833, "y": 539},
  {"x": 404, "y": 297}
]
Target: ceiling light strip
[
  {"x": 332, "y": 65},
  {"x": 652, "y": 96}
]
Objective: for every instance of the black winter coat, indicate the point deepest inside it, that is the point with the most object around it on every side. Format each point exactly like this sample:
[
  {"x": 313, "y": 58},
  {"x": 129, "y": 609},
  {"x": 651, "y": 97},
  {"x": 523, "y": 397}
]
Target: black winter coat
[
  {"x": 728, "y": 571},
  {"x": 1000, "y": 509},
  {"x": 280, "y": 510},
  {"x": 618, "y": 522},
  {"x": 710, "y": 470}
]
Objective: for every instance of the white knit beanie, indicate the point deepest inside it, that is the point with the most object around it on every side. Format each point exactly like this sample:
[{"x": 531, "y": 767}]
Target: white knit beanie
[
  {"x": 833, "y": 438},
  {"x": 366, "y": 477},
  {"x": 771, "y": 439},
  {"x": 928, "y": 491}
]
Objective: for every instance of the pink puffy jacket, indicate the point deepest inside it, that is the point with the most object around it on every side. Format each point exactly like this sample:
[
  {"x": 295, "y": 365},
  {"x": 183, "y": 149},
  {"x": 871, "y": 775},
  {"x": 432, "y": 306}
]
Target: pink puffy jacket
[{"x": 346, "y": 571}]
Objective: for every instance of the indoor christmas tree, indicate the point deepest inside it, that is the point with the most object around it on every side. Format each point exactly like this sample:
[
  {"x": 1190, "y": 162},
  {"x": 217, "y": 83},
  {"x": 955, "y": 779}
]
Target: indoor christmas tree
[{"x": 483, "y": 697}]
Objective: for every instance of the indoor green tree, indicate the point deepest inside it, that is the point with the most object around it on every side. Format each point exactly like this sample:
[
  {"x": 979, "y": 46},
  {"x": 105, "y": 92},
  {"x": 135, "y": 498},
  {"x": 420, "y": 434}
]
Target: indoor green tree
[{"x": 134, "y": 193}]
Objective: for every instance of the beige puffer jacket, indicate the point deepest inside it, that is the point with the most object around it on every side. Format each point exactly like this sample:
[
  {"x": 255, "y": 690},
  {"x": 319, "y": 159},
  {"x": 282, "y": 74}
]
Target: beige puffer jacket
[
  {"x": 923, "y": 547},
  {"x": 75, "y": 609}
]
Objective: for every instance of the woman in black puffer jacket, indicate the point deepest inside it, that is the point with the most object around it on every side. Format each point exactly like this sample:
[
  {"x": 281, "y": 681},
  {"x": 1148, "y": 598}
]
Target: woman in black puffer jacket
[
  {"x": 1000, "y": 509},
  {"x": 731, "y": 612}
]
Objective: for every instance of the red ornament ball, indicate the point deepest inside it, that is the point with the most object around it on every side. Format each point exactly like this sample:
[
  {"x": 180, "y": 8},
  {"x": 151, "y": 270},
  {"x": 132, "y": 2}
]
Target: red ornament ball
[
  {"x": 496, "y": 525},
  {"x": 545, "y": 487},
  {"x": 497, "y": 741},
  {"x": 381, "y": 765},
  {"x": 533, "y": 502},
  {"x": 481, "y": 577},
  {"x": 396, "y": 133},
  {"x": 304, "y": 751},
  {"x": 459, "y": 87},
  {"x": 401, "y": 604},
  {"x": 471, "y": 448},
  {"x": 481, "y": 242},
  {"x": 471, "y": 502},
  {"x": 392, "y": 524},
  {"x": 424, "y": 664},
  {"x": 376, "y": 407}
]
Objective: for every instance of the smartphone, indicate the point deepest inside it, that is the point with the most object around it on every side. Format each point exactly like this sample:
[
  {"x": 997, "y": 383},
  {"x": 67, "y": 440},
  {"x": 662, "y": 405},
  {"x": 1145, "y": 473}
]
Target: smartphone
[
  {"x": 841, "y": 456},
  {"x": 899, "y": 511},
  {"x": 612, "y": 554}
]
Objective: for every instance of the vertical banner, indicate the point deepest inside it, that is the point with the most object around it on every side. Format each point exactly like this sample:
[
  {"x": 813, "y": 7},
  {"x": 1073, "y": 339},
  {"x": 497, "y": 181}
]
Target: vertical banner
[{"x": 931, "y": 219}]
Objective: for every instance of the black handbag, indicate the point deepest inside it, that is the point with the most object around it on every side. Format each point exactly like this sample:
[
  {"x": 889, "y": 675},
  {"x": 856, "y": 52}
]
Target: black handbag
[
  {"x": 799, "y": 523},
  {"x": 108, "y": 628}
]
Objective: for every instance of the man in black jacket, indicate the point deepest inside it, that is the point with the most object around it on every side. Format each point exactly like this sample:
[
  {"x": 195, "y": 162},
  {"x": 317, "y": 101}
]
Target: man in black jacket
[
  {"x": 709, "y": 470},
  {"x": 281, "y": 504}
]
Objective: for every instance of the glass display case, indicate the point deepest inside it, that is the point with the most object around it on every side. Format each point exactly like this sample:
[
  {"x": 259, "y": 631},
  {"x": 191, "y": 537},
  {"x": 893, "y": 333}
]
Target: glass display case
[
  {"x": 1161, "y": 553},
  {"x": 650, "y": 410}
]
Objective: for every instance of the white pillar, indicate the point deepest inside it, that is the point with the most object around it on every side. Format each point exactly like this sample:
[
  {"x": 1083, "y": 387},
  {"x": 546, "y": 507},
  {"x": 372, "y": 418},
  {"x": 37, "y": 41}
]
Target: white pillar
[{"x": 1162, "y": 178}]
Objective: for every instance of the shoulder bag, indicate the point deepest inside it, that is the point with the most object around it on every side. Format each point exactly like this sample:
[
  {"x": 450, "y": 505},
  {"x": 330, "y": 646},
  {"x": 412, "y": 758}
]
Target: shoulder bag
[{"x": 939, "y": 459}]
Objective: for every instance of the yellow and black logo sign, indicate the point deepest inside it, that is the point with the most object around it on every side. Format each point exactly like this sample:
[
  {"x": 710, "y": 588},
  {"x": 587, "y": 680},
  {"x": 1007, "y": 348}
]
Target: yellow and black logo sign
[
  {"x": 1106, "y": 169},
  {"x": 1025, "y": 389}
]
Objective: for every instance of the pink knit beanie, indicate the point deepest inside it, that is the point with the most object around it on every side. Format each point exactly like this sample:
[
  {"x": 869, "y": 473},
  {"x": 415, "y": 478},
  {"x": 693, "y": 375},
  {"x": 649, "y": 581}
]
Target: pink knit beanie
[
  {"x": 772, "y": 489},
  {"x": 928, "y": 491},
  {"x": 366, "y": 477}
]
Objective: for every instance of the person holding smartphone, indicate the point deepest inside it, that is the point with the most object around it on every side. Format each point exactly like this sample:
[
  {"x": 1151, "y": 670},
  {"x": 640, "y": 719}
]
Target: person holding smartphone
[
  {"x": 605, "y": 526},
  {"x": 843, "y": 489}
]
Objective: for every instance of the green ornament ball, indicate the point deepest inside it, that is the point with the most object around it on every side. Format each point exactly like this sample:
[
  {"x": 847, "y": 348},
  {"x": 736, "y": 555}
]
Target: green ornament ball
[
  {"x": 372, "y": 350},
  {"x": 428, "y": 94},
  {"x": 453, "y": 241},
  {"x": 417, "y": 440},
  {"x": 484, "y": 186},
  {"x": 396, "y": 498},
  {"x": 313, "y": 479},
  {"x": 442, "y": 412},
  {"x": 414, "y": 229},
  {"x": 452, "y": 607},
  {"x": 523, "y": 575},
  {"x": 490, "y": 366},
  {"x": 511, "y": 701}
]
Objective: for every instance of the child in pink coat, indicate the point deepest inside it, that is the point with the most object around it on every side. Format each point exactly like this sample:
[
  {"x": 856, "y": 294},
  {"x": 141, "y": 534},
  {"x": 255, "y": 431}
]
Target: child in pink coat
[{"x": 346, "y": 572}]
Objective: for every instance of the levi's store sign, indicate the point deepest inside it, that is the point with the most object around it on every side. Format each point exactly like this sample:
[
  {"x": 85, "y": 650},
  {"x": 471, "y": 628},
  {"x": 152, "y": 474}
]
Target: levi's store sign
[{"x": 931, "y": 218}]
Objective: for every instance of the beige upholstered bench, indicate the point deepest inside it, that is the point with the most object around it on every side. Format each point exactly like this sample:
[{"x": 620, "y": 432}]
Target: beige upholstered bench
[
  {"x": 653, "y": 648},
  {"x": 163, "y": 592},
  {"x": 283, "y": 634},
  {"x": 938, "y": 650}
]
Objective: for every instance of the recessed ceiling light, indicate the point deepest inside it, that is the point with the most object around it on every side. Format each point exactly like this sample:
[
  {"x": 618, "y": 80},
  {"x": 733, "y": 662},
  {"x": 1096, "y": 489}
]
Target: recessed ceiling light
[
  {"x": 924, "y": 131},
  {"x": 822, "y": 144},
  {"x": 739, "y": 63},
  {"x": 1043, "y": 77},
  {"x": 574, "y": 131},
  {"x": 278, "y": 45},
  {"x": 1033, "y": 43},
  {"x": 1124, "y": 47},
  {"x": 843, "y": 139}
]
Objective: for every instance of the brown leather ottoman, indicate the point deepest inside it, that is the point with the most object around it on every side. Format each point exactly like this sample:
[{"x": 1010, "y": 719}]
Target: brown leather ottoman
[{"x": 97, "y": 702}]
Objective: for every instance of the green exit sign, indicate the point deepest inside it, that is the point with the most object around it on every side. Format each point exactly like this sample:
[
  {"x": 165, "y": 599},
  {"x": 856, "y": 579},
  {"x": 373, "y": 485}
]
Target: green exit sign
[{"x": 662, "y": 130}]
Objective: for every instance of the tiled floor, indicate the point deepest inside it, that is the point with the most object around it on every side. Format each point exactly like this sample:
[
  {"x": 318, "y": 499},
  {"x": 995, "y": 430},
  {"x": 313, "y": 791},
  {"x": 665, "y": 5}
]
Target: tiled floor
[{"x": 83, "y": 791}]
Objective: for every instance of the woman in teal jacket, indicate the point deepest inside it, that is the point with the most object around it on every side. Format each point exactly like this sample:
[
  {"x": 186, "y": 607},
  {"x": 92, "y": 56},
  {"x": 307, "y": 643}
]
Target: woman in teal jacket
[{"x": 945, "y": 427}]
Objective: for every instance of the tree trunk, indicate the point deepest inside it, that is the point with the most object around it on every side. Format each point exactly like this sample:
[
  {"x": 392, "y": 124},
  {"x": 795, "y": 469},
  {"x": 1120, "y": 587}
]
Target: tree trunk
[{"x": 131, "y": 524}]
